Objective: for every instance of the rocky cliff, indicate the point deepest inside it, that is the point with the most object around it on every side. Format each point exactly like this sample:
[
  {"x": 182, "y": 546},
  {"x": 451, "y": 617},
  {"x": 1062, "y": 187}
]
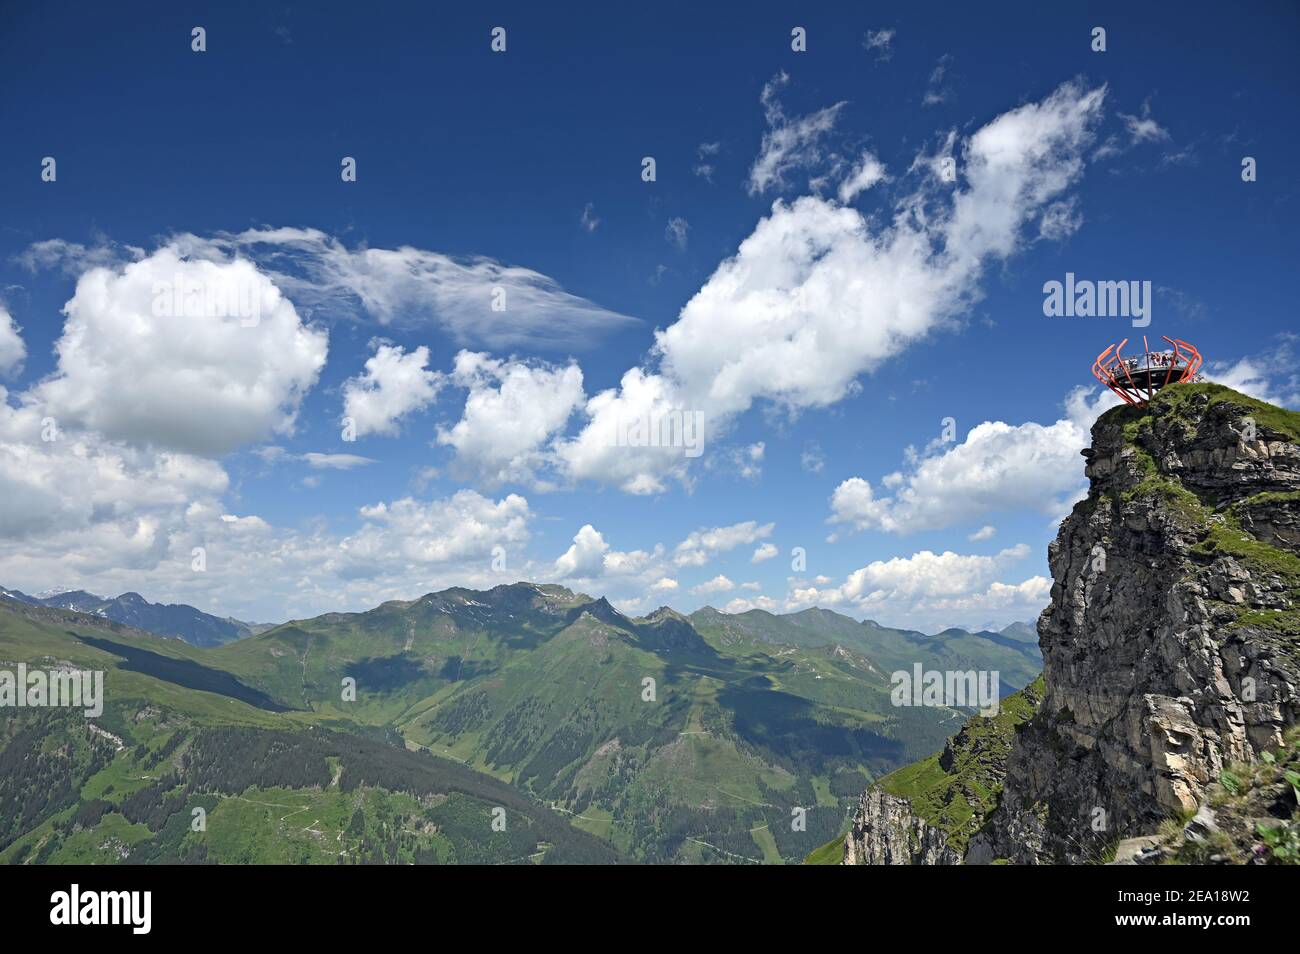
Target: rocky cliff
[
  {"x": 1171, "y": 647},
  {"x": 886, "y": 831}
]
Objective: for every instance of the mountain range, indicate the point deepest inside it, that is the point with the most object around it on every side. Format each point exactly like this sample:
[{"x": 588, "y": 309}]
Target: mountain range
[
  {"x": 708, "y": 737},
  {"x": 176, "y": 620}
]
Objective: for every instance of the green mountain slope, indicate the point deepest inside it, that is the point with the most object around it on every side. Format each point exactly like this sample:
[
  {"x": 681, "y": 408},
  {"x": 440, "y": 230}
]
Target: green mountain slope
[
  {"x": 125, "y": 786},
  {"x": 1021, "y": 632}
]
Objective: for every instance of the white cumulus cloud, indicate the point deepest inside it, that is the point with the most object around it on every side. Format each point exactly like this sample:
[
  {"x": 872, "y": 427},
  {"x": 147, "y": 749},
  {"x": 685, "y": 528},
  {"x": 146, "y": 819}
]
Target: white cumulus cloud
[
  {"x": 719, "y": 584},
  {"x": 395, "y": 383},
  {"x": 743, "y": 605},
  {"x": 512, "y": 412},
  {"x": 187, "y": 378},
  {"x": 999, "y": 467},
  {"x": 700, "y": 546},
  {"x": 591, "y": 559},
  {"x": 929, "y": 588}
]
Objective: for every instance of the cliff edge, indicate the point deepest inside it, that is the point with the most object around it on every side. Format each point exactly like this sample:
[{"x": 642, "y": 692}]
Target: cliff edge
[{"x": 1171, "y": 646}]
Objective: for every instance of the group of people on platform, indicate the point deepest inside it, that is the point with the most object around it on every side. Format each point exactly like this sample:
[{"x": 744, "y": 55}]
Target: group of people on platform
[{"x": 1156, "y": 359}]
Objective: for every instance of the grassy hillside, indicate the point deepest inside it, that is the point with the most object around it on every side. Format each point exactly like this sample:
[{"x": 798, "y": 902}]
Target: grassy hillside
[
  {"x": 957, "y": 788},
  {"x": 178, "y": 735},
  {"x": 69, "y": 794},
  {"x": 831, "y": 853}
]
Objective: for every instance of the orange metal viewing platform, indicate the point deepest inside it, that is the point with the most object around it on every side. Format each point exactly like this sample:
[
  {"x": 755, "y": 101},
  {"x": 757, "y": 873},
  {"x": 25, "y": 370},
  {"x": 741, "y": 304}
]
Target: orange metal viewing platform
[{"x": 1137, "y": 379}]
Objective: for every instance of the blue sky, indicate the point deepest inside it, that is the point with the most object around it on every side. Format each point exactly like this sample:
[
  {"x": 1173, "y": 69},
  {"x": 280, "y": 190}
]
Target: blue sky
[{"x": 823, "y": 332}]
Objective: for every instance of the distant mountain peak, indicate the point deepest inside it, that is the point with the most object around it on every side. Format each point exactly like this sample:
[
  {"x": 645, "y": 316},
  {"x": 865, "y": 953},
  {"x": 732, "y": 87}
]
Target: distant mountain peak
[
  {"x": 176, "y": 620},
  {"x": 665, "y": 612},
  {"x": 68, "y": 594},
  {"x": 603, "y": 610}
]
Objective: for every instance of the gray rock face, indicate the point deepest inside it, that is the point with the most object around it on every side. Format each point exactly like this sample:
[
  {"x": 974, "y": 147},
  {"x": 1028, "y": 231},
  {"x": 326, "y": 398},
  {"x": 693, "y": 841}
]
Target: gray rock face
[
  {"x": 1171, "y": 646},
  {"x": 887, "y": 832}
]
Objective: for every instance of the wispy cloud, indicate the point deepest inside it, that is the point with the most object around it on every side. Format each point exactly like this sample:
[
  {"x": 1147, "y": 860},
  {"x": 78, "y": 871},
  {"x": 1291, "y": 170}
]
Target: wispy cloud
[
  {"x": 335, "y": 461},
  {"x": 675, "y": 232},
  {"x": 704, "y": 167},
  {"x": 476, "y": 300},
  {"x": 937, "y": 91},
  {"x": 881, "y": 41},
  {"x": 789, "y": 143}
]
